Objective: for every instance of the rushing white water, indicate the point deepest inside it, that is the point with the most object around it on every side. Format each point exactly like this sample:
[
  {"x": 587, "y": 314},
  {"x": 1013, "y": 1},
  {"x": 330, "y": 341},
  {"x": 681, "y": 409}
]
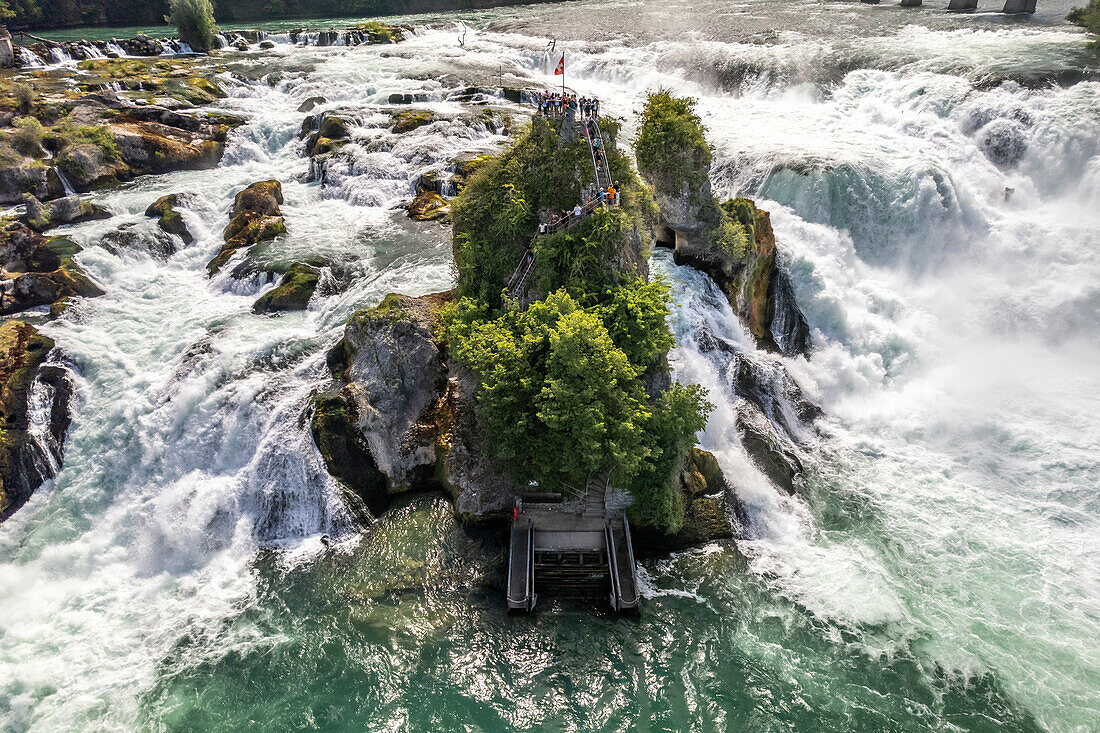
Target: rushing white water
[{"x": 949, "y": 514}]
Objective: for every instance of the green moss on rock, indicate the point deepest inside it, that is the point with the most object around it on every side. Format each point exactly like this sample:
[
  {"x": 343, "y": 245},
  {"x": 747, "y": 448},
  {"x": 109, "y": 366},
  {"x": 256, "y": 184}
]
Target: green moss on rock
[
  {"x": 170, "y": 220},
  {"x": 293, "y": 292},
  {"x": 409, "y": 120}
]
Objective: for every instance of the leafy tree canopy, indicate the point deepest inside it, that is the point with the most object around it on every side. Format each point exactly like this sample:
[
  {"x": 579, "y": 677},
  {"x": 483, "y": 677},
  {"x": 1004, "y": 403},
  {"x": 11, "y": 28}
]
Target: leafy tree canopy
[
  {"x": 1089, "y": 18},
  {"x": 671, "y": 146}
]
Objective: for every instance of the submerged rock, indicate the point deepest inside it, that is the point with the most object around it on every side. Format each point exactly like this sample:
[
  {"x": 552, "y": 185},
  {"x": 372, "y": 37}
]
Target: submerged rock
[
  {"x": 132, "y": 236},
  {"x": 29, "y": 453}
]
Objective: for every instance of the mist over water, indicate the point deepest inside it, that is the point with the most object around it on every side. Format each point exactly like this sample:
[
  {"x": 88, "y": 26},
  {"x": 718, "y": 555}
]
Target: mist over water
[{"x": 934, "y": 183}]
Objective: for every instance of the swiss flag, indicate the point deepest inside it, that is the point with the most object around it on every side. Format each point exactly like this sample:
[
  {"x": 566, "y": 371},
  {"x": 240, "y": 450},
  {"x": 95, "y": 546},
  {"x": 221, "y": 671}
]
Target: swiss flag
[{"x": 561, "y": 66}]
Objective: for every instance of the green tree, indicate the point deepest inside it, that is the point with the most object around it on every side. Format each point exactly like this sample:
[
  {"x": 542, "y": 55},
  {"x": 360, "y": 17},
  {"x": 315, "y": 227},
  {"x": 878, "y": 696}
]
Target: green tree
[
  {"x": 636, "y": 315},
  {"x": 671, "y": 146},
  {"x": 557, "y": 399},
  {"x": 1089, "y": 18},
  {"x": 678, "y": 415},
  {"x": 195, "y": 21}
]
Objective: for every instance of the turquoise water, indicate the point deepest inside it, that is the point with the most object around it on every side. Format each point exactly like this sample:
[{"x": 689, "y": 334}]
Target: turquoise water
[{"x": 938, "y": 571}]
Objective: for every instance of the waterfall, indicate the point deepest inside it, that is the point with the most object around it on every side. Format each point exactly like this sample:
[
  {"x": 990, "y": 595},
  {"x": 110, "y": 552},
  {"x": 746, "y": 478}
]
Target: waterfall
[
  {"x": 113, "y": 47},
  {"x": 220, "y": 41},
  {"x": 91, "y": 51},
  {"x": 29, "y": 59},
  {"x": 69, "y": 190},
  {"x": 60, "y": 55},
  {"x": 40, "y": 417}
]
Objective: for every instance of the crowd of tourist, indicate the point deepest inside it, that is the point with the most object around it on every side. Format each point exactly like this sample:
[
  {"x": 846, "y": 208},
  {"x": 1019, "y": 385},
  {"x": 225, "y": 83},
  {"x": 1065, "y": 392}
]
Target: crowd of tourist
[
  {"x": 609, "y": 196},
  {"x": 557, "y": 104}
]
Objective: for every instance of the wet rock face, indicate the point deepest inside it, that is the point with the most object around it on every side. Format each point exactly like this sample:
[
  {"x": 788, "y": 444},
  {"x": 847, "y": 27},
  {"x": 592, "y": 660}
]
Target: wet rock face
[
  {"x": 58, "y": 212},
  {"x": 41, "y": 270},
  {"x": 771, "y": 453},
  {"x": 132, "y": 236},
  {"x": 30, "y": 444},
  {"x": 773, "y": 417},
  {"x": 759, "y": 292},
  {"x": 335, "y": 432}
]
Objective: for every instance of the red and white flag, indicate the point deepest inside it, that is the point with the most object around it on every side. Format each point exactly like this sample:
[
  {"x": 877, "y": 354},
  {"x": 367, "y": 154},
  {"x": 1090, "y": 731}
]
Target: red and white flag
[{"x": 561, "y": 66}]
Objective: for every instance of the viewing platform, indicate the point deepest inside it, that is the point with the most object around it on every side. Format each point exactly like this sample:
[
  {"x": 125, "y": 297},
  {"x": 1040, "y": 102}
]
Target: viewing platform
[{"x": 577, "y": 550}]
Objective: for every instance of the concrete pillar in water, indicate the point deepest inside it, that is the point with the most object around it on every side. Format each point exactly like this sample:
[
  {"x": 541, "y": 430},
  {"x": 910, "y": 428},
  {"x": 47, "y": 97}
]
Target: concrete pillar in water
[
  {"x": 1019, "y": 6},
  {"x": 910, "y": 3},
  {"x": 963, "y": 5}
]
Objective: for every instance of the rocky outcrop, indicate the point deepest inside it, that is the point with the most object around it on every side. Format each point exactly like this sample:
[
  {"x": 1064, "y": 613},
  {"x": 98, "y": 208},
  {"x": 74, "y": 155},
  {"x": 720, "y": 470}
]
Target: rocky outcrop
[
  {"x": 394, "y": 371},
  {"x": 732, "y": 242},
  {"x": 29, "y": 176},
  {"x": 256, "y": 217},
  {"x": 293, "y": 292},
  {"x": 170, "y": 220},
  {"x": 39, "y": 270},
  {"x": 709, "y": 502},
  {"x": 30, "y": 444},
  {"x": 399, "y": 407},
  {"x": 111, "y": 128},
  {"x": 58, "y": 212}
]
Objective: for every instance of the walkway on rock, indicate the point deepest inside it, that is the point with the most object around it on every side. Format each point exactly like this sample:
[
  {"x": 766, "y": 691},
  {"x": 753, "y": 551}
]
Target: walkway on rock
[{"x": 518, "y": 282}]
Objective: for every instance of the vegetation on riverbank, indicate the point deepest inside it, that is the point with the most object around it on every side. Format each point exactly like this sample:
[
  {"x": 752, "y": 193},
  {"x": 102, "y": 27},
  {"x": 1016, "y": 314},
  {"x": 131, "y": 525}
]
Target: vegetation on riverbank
[
  {"x": 69, "y": 13},
  {"x": 560, "y": 390},
  {"x": 1088, "y": 18}
]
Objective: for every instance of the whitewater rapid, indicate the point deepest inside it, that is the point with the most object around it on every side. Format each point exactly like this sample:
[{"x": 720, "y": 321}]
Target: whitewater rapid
[{"x": 946, "y": 531}]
